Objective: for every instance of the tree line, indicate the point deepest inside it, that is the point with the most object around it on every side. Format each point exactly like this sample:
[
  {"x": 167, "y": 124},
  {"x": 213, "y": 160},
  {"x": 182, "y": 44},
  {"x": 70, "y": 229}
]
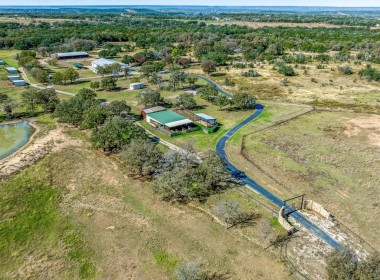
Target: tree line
[{"x": 209, "y": 42}]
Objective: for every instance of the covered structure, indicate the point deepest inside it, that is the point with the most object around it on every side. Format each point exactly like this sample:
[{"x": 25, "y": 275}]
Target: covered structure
[
  {"x": 104, "y": 62},
  {"x": 168, "y": 120},
  {"x": 152, "y": 110},
  {"x": 206, "y": 119},
  {"x": 11, "y": 70},
  {"x": 13, "y": 78},
  {"x": 78, "y": 65},
  {"x": 19, "y": 83},
  {"x": 135, "y": 86},
  {"x": 68, "y": 55}
]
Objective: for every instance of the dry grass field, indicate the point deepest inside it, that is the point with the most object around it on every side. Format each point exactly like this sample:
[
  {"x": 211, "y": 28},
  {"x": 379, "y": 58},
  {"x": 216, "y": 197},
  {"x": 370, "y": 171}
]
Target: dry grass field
[
  {"x": 86, "y": 219},
  {"x": 332, "y": 157},
  {"x": 323, "y": 87}
]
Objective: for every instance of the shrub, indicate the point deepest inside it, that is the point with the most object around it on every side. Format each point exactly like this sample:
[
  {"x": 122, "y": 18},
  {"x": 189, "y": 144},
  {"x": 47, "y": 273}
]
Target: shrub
[
  {"x": 189, "y": 271},
  {"x": 345, "y": 70},
  {"x": 251, "y": 73},
  {"x": 342, "y": 264},
  {"x": 370, "y": 73},
  {"x": 284, "y": 69}
]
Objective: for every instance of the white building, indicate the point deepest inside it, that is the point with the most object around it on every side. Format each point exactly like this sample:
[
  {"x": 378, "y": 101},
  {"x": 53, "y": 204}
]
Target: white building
[
  {"x": 135, "y": 86},
  {"x": 104, "y": 62}
]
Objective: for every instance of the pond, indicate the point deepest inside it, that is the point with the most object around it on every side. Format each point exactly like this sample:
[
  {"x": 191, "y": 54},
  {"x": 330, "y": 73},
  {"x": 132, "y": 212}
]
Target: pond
[{"x": 13, "y": 137}]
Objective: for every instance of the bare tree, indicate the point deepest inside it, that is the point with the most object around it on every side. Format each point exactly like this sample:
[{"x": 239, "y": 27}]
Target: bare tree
[{"x": 231, "y": 214}]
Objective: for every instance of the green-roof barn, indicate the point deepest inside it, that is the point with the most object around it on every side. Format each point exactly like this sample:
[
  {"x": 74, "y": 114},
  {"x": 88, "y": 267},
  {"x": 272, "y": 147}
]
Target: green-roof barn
[{"x": 167, "y": 119}]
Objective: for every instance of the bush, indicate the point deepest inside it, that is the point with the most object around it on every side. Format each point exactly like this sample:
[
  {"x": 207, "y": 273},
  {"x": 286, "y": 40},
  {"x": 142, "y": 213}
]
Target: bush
[
  {"x": 370, "y": 73},
  {"x": 229, "y": 82},
  {"x": 345, "y": 70},
  {"x": 342, "y": 264},
  {"x": 239, "y": 65},
  {"x": 369, "y": 269},
  {"x": 251, "y": 73},
  {"x": 284, "y": 69},
  {"x": 189, "y": 271}
]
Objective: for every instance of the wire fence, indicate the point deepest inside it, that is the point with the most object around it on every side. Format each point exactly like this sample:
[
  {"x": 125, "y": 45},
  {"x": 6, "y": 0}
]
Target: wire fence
[
  {"x": 267, "y": 207},
  {"x": 346, "y": 229},
  {"x": 284, "y": 255}
]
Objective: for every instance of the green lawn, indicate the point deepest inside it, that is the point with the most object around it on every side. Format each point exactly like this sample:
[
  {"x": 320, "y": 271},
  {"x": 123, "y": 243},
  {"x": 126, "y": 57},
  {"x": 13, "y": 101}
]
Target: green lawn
[
  {"x": 33, "y": 227},
  {"x": 9, "y": 56}
]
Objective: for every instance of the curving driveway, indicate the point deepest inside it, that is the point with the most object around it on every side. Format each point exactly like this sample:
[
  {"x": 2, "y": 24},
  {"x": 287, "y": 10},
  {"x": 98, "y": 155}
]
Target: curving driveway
[{"x": 220, "y": 150}]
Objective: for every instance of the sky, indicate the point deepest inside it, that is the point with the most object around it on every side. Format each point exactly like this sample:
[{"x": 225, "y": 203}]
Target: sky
[{"x": 336, "y": 3}]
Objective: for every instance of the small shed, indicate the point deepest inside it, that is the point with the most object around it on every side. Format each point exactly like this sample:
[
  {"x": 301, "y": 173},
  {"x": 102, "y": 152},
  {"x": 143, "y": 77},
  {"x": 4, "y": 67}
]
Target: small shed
[
  {"x": 11, "y": 70},
  {"x": 135, "y": 86},
  {"x": 19, "y": 83},
  {"x": 152, "y": 110},
  {"x": 78, "y": 65},
  {"x": 206, "y": 119},
  {"x": 13, "y": 78},
  {"x": 2, "y": 62}
]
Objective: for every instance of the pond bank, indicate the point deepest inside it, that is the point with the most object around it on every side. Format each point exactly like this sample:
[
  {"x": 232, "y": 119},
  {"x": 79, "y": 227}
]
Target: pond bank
[
  {"x": 14, "y": 135},
  {"x": 36, "y": 149}
]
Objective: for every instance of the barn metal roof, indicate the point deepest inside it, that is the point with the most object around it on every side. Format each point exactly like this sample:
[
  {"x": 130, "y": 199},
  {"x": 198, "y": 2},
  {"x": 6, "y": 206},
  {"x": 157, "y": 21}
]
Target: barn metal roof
[
  {"x": 205, "y": 117},
  {"x": 104, "y": 62},
  {"x": 71, "y": 54},
  {"x": 178, "y": 123},
  {"x": 154, "y": 109},
  {"x": 10, "y": 69},
  {"x": 169, "y": 117}
]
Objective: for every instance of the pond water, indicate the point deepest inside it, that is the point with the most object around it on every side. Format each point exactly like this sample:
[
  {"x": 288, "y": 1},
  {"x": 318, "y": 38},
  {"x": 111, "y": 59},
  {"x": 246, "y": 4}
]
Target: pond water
[{"x": 13, "y": 137}]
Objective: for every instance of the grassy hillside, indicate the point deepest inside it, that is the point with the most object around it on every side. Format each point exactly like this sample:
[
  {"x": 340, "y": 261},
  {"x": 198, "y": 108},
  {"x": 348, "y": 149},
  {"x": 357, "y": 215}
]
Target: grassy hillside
[
  {"x": 331, "y": 157},
  {"x": 75, "y": 214}
]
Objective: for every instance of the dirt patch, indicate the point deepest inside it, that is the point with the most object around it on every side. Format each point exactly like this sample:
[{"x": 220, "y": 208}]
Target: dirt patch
[
  {"x": 368, "y": 126},
  {"x": 35, "y": 150}
]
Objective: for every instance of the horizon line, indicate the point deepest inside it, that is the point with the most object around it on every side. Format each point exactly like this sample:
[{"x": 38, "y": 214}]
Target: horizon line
[{"x": 185, "y": 5}]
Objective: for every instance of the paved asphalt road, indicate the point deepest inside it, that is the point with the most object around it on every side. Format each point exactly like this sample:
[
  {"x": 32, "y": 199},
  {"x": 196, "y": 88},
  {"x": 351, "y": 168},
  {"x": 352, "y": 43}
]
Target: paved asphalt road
[{"x": 220, "y": 149}]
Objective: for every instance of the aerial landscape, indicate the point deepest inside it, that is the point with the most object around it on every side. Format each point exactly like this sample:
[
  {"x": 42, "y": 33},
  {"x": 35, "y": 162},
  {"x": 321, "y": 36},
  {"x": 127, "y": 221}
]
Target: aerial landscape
[{"x": 191, "y": 140}]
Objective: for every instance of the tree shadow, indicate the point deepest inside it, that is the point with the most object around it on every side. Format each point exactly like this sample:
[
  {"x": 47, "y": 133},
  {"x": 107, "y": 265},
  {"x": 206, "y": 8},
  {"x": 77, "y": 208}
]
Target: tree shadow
[
  {"x": 79, "y": 82},
  {"x": 218, "y": 74},
  {"x": 199, "y": 107}
]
